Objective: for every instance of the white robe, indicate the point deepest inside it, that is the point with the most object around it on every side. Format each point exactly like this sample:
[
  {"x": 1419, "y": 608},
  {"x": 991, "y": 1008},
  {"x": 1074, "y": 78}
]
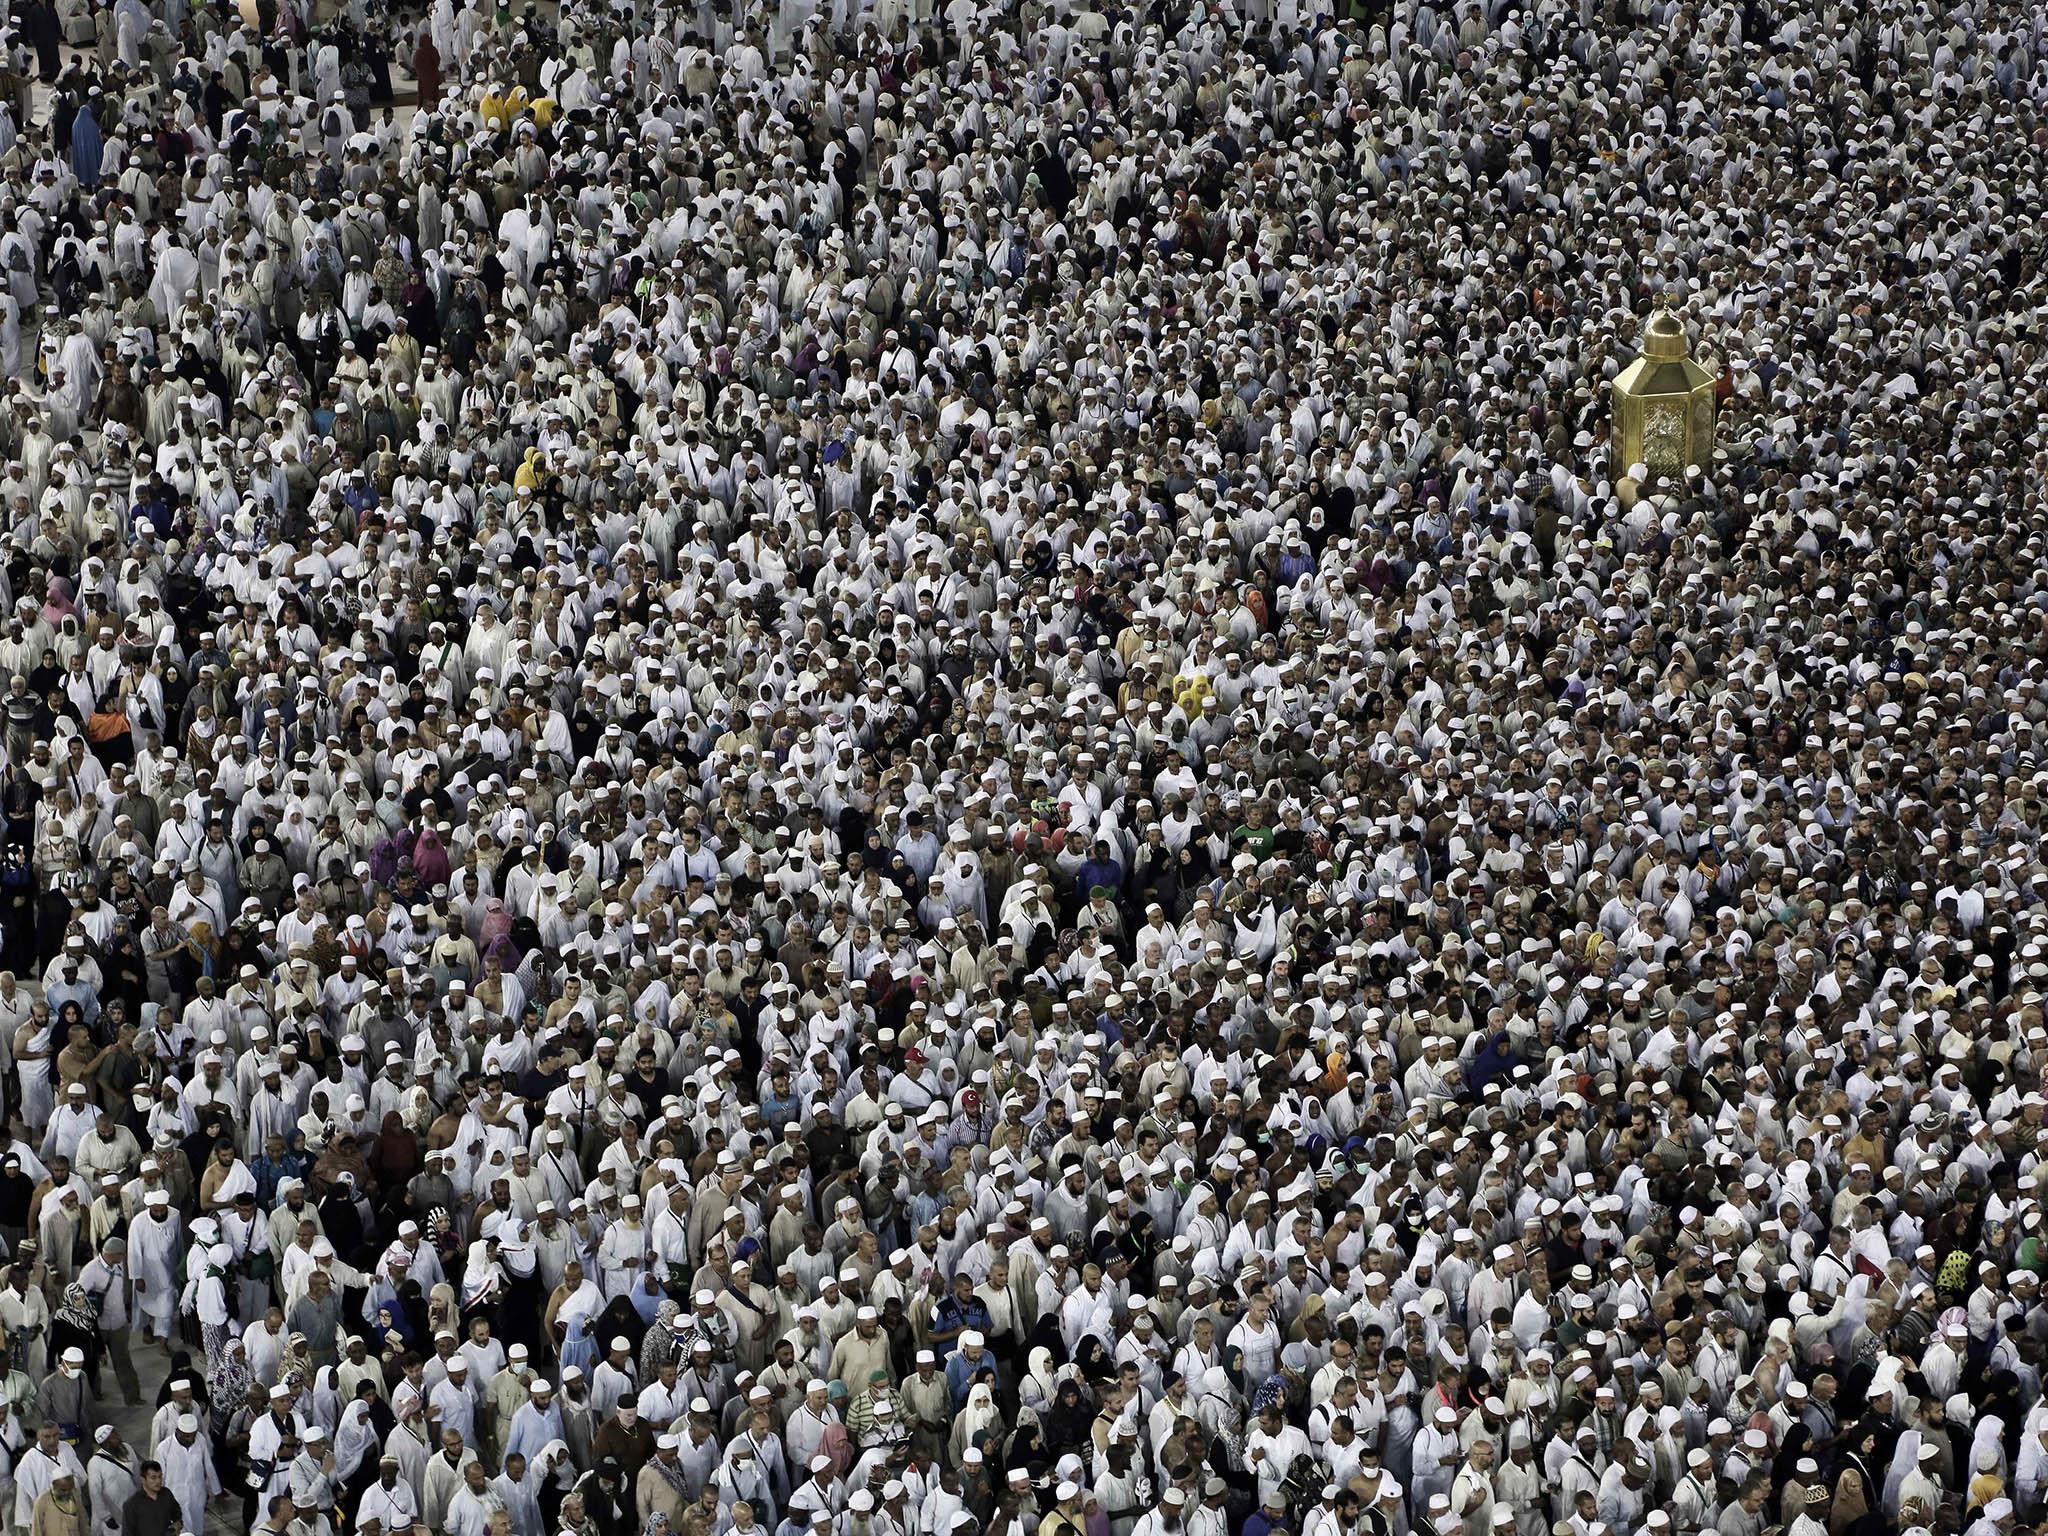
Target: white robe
[
  {"x": 266, "y": 1435},
  {"x": 177, "y": 274},
  {"x": 352, "y": 1439},
  {"x": 153, "y": 1249},
  {"x": 469, "y": 1513},
  {"x": 34, "y": 1474},
  {"x": 395, "y": 1508},
  {"x": 112, "y": 1479},
  {"x": 620, "y": 1243},
  {"x": 412, "y": 1453},
  {"x": 521, "y": 1501},
  {"x": 189, "y": 1474},
  {"x": 164, "y": 1423}
]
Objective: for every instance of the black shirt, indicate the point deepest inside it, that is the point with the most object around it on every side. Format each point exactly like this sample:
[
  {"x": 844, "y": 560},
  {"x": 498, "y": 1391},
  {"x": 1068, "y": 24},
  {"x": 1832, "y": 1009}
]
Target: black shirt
[{"x": 143, "y": 1515}]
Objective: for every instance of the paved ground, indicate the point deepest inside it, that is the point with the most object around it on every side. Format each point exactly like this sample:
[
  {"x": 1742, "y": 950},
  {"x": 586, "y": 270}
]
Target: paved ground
[{"x": 132, "y": 1420}]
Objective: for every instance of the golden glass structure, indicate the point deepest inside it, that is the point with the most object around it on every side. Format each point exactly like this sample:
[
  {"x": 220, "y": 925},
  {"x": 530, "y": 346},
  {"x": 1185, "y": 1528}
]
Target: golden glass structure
[{"x": 1664, "y": 402}]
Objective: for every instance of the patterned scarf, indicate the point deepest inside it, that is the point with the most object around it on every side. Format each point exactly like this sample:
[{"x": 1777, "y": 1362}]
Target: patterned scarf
[{"x": 671, "y": 1472}]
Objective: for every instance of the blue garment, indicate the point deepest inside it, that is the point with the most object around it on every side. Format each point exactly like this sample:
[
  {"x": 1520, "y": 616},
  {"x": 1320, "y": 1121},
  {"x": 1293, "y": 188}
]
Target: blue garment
[
  {"x": 921, "y": 852},
  {"x": 1104, "y": 872},
  {"x": 293, "y": 1165},
  {"x": 960, "y": 1375},
  {"x": 924, "y": 1210},
  {"x": 949, "y": 1314},
  {"x": 77, "y": 992},
  {"x": 533, "y": 1428},
  {"x": 381, "y": 1295},
  {"x": 155, "y": 506},
  {"x": 777, "y": 1110},
  {"x": 85, "y": 146},
  {"x": 645, "y": 1304},
  {"x": 1495, "y": 1059},
  {"x": 579, "y": 1348}
]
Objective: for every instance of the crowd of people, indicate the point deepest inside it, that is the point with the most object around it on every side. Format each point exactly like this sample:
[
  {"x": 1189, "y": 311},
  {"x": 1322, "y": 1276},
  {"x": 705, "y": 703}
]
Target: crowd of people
[{"x": 912, "y": 769}]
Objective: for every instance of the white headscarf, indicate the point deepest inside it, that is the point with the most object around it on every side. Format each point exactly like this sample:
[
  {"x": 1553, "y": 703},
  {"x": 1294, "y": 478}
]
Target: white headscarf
[
  {"x": 1905, "y": 1457},
  {"x": 1040, "y": 1384},
  {"x": 980, "y": 1412},
  {"x": 1989, "y": 1437},
  {"x": 553, "y": 1463},
  {"x": 355, "y": 1436}
]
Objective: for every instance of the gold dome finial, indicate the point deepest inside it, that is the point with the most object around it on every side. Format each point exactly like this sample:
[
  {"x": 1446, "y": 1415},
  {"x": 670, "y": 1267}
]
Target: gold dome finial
[{"x": 1664, "y": 337}]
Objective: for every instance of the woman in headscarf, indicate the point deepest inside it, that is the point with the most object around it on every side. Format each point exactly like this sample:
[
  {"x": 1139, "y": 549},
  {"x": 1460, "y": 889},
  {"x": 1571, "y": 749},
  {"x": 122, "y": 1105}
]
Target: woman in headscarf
[
  {"x": 1496, "y": 1059},
  {"x": 73, "y": 1326},
  {"x": 1216, "y": 1404},
  {"x": 495, "y": 925},
  {"x": 1040, "y": 1384},
  {"x": 1905, "y": 1460},
  {"x": 320, "y": 1403},
  {"x": 57, "y": 604},
  {"x": 182, "y": 1369},
  {"x": 1853, "y": 1511},
  {"x": 1987, "y": 1461},
  {"x": 393, "y": 1333},
  {"x": 355, "y": 1438},
  {"x": 2000, "y": 1397},
  {"x": 133, "y": 586},
  {"x": 1797, "y": 1442},
  {"x": 579, "y": 1343},
  {"x": 39, "y": 21},
  {"x": 1949, "y": 1237},
  {"x": 86, "y": 144},
  {"x": 419, "y": 1113},
  {"x": 341, "y": 1169},
  {"x": 1069, "y": 1421},
  {"x": 661, "y": 1344},
  {"x": 430, "y": 858},
  {"x": 207, "y": 1291},
  {"x": 621, "y": 1318},
  {"x": 200, "y": 733},
  {"x": 1797, "y": 1446},
  {"x": 1027, "y": 1450},
  {"x": 227, "y": 1383},
  {"x": 555, "y": 1474},
  {"x": 443, "y": 1312},
  {"x": 395, "y": 1156},
  {"x": 71, "y": 636},
  {"x": 533, "y": 473},
  {"x": 1092, "y": 1359},
  {"x": 506, "y": 953},
  {"x": 108, "y": 731},
  {"x": 295, "y": 1363},
  {"x": 426, "y": 69},
  {"x": 979, "y": 1423}
]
